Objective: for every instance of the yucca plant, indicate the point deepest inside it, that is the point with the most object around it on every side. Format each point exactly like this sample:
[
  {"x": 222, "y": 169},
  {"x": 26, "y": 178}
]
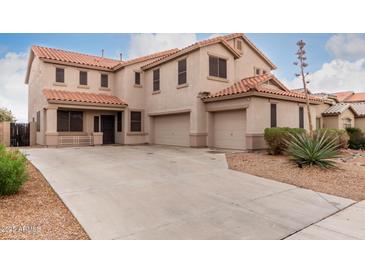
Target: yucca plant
[{"x": 317, "y": 150}]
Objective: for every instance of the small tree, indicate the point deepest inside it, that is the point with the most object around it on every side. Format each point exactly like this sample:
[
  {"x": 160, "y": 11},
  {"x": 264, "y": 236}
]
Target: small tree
[
  {"x": 303, "y": 64},
  {"x": 6, "y": 115}
]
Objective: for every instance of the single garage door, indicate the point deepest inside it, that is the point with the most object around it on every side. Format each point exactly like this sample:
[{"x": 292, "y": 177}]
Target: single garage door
[
  {"x": 172, "y": 129},
  {"x": 230, "y": 129}
]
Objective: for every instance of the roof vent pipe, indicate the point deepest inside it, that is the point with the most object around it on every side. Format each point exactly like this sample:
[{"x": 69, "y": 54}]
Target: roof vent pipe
[{"x": 102, "y": 52}]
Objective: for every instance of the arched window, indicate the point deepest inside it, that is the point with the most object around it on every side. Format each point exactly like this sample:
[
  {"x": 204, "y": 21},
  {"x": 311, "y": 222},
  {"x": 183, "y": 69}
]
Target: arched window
[{"x": 347, "y": 123}]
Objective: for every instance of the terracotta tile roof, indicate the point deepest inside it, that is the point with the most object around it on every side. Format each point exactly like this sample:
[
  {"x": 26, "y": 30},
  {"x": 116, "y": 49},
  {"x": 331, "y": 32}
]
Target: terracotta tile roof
[
  {"x": 82, "y": 97},
  {"x": 145, "y": 58},
  {"x": 258, "y": 84},
  {"x": 220, "y": 39},
  {"x": 341, "y": 96},
  {"x": 59, "y": 55},
  {"x": 74, "y": 58},
  {"x": 336, "y": 109},
  {"x": 356, "y": 97},
  {"x": 359, "y": 108}
]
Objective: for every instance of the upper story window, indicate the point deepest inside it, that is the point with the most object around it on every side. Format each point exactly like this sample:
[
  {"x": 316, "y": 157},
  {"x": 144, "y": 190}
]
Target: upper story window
[
  {"x": 257, "y": 71},
  {"x": 156, "y": 80},
  {"x": 137, "y": 78},
  {"x": 83, "y": 78},
  {"x": 273, "y": 120},
  {"x": 217, "y": 67},
  {"x": 181, "y": 72},
  {"x": 301, "y": 117},
  {"x": 239, "y": 44},
  {"x": 60, "y": 75},
  {"x": 104, "y": 80}
]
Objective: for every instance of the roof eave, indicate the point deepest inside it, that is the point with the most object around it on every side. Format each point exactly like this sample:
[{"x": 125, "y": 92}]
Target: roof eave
[
  {"x": 255, "y": 93},
  {"x": 252, "y": 45},
  {"x": 65, "y": 102},
  {"x": 51, "y": 61}
]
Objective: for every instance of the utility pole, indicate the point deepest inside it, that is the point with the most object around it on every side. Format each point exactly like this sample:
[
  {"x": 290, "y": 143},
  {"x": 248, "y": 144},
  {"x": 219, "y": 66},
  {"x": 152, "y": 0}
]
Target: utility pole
[{"x": 302, "y": 64}]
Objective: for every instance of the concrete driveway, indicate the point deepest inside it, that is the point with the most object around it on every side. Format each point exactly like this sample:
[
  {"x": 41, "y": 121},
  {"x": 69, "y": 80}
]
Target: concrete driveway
[{"x": 158, "y": 192}]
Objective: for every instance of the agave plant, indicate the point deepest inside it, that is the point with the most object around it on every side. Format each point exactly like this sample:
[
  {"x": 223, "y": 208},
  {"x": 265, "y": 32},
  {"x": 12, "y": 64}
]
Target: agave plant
[{"x": 318, "y": 150}]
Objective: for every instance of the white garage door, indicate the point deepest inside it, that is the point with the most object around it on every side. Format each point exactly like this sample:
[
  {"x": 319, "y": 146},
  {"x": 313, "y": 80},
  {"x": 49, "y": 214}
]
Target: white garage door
[
  {"x": 230, "y": 129},
  {"x": 172, "y": 129}
]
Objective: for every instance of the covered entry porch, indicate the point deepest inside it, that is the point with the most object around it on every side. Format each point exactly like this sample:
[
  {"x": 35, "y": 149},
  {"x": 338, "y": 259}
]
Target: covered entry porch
[{"x": 70, "y": 123}]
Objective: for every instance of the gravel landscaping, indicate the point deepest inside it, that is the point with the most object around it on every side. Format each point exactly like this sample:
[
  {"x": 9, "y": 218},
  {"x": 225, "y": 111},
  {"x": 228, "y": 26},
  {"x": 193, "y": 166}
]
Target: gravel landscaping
[
  {"x": 36, "y": 212},
  {"x": 347, "y": 180}
]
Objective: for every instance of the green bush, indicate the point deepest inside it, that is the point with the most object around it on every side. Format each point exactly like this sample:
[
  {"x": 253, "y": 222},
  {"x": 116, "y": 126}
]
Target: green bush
[
  {"x": 357, "y": 138},
  {"x": 276, "y": 138},
  {"x": 342, "y": 137},
  {"x": 316, "y": 150},
  {"x": 13, "y": 171}
]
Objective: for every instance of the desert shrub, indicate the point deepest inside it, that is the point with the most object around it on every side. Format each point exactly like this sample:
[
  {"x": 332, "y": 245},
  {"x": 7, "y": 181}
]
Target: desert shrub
[
  {"x": 13, "y": 171},
  {"x": 316, "y": 150},
  {"x": 357, "y": 138},
  {"x": 342, "y": 137},
  {"x": 276, "y": 138}
]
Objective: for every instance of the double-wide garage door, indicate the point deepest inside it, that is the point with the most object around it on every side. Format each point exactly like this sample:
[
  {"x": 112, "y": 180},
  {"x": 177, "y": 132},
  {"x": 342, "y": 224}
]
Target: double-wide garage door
[
  {"x": 230, "y": 129},
  {"x": 172, "y": 129}
]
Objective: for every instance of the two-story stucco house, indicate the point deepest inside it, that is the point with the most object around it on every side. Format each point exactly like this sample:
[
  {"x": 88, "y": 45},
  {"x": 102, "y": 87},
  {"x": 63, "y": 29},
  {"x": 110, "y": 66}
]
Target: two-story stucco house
[{"x": 218, "y": 93}]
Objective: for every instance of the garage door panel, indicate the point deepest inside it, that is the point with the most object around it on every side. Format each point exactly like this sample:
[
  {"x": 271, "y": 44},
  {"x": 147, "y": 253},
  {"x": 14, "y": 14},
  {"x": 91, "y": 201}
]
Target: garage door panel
[
  {"x": 172, "y": 129},
  {"x": 230, "y": 129}
]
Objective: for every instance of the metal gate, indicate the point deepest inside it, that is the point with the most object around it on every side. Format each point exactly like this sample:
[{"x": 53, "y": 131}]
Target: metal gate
[{"x": 19, "y": 134}]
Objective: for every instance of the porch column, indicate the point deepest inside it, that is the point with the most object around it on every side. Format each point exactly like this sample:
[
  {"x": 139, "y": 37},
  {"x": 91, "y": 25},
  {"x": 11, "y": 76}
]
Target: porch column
[{"x": 51, "y": 126}]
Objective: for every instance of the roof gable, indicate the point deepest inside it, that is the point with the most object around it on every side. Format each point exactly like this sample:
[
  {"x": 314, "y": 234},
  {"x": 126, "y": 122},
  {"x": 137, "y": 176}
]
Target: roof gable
[
  {"x": 262, "y": 84},
  {"x": 220, "y": 39},
  {"x": 338, "y": 109}
]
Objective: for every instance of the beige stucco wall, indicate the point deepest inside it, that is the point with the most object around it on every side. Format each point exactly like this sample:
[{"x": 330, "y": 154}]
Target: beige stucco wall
[
  {"x": 319, "y": 110},
  {"x": 330, "y": 122},
  {"x": 258, "y": 116},
  {"x": 72, "y": 77},
  {"x": 338, "y": 121},
  {"x": 36, "y": 100},
  {"x": 360, "y": 123},
  {"x": 244, "y": 66},
  {"x": 347, "y": 114}
]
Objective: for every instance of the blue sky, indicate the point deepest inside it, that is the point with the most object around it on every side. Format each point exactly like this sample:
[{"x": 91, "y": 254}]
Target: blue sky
[
  {"x": 336, "y": 61},
  {"x": 279, "y": 47}
]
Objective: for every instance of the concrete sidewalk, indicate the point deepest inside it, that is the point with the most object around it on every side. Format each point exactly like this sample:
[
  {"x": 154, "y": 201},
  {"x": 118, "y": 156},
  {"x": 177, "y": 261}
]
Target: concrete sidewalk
[
  {"x": 348, "y": 224},
  {"x": 159, "y": 192}
]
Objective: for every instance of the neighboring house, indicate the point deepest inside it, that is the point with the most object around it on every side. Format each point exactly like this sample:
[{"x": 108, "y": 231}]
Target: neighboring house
[
  {"x": 218, "y": 93},
  {"x": 342, "y": 110}
]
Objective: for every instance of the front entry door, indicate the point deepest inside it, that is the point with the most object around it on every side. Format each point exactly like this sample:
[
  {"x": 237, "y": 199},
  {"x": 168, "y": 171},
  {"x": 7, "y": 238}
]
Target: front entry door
[{"x": 107, "y": 127}]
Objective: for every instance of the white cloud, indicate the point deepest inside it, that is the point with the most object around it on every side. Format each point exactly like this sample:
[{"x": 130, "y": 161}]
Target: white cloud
[
  {"x": 346, "y": 72},
  {"x": 347, "y": 46},
  {"x": 13, "y": 91},
  {"x": 146, "y": 43},
  {"x": 337, "y": 75}
]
